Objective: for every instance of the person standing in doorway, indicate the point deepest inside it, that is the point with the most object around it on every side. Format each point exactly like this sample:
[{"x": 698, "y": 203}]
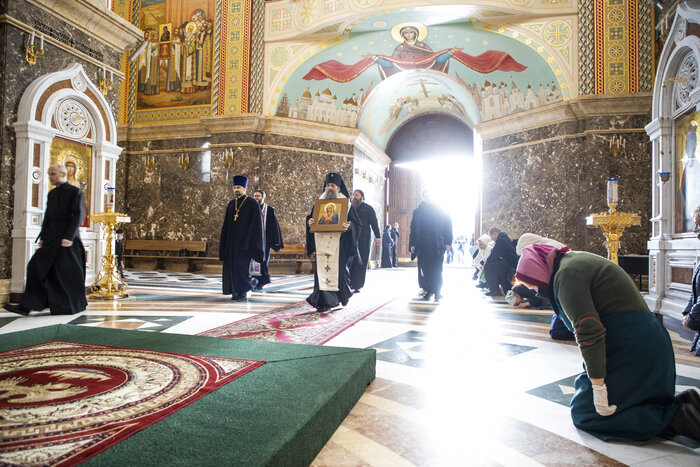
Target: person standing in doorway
[
  {"x": 387, "y": 248},
  {"x": 56, "y": 272},
  {"x": 334, "y": 251},
  {"x": 368, "y": 218},
  {"x": 395, "y": 236},
  {"x": 429, "y": 239},
  {"x": 273, "y": 238},
  {"x": 241, "y": 241}
]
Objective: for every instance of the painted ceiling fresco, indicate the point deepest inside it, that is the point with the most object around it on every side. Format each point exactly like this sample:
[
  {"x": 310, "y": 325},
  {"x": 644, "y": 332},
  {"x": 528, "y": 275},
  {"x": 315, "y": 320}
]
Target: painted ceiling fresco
[{"x": 498, "y": 74}]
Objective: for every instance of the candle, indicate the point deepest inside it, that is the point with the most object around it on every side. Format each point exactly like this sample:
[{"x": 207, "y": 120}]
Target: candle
[
  {"x": 104, "y": 72},
  {"x": 612, "y": 192},
  {"x": 41, "y": 42},
  {"x": 32, "y": 41},
  {"x": 111, "y": 76}
]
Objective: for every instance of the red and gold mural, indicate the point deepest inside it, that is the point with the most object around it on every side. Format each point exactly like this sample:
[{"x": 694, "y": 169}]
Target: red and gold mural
[{"x": 195, "y": 61}]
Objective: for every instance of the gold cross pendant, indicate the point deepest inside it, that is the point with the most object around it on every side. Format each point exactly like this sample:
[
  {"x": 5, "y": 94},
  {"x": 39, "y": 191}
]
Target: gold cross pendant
[{"x": 235, "y": 217}]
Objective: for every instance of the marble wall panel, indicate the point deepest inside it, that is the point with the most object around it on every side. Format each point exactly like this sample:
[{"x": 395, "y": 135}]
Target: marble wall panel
[
  {"x": 369, "y": 176},
  {"x": 7, "y": 171},
  {"x": 173, "y": 204},
  {"x": 15, "y": 76},
  {"x": 550, "y": 187}
]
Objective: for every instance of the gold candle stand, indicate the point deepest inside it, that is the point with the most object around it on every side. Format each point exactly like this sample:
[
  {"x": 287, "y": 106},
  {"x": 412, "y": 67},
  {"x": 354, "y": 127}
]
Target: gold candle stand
[
  {"x": 613, "y": 223},
  {"x": 109, "y": 286}
]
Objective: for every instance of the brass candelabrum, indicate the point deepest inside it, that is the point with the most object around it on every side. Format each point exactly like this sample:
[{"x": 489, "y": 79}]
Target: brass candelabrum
[
  {"x": 613, "y": 223},
  {"x": 31, "y": 55},
  {"x": 105, "y": 85},
  {"x": 109, "y": 285}
]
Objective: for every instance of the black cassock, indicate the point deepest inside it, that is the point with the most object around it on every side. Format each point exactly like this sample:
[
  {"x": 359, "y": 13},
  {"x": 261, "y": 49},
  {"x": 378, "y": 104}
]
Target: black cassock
[
  {"x": 273, "y": 240},
  {"x": 387, "y": 249},
  {"x": 431, "y": 231},
  {"x": 348, "y": 250},
  {"x": 56, "y": 274},
  {"x": 358, "y": 270},
  {"x": 241, "y": 240}
]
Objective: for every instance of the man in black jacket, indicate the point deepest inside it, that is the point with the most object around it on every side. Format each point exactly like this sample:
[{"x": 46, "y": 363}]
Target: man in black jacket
[
  {"x": 501, "y": 263},
  {"x": 56, "y": 272},
  {"x": 370, "y": 225}
]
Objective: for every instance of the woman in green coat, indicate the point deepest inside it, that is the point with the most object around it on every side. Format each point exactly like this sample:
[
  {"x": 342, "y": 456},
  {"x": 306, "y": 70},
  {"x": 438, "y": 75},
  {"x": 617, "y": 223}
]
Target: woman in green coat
[{"x": 627, "y": 391}]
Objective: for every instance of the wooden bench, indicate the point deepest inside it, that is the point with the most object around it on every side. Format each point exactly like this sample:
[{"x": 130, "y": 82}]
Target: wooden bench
[
  {"x": 166, "y": 254},
  {"x": 293, "y": 254}
]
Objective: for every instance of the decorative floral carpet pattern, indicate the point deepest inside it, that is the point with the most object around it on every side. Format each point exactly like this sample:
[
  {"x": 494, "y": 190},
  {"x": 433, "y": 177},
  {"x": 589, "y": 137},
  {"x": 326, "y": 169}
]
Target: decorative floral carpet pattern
[
  {"x": 297, "y": 323},
  {"x": 62, "y": 402}
]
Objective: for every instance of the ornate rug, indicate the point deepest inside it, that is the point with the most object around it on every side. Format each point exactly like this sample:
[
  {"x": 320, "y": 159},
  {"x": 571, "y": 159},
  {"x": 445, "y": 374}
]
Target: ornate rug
[
  {"x": 64, "y": 402},
  {"x": 297, "y": 323}
]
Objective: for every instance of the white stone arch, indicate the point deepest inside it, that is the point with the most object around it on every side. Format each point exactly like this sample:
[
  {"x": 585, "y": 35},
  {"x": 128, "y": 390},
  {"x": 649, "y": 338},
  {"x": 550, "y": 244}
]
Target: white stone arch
[
  {"x": 35, "y": 129},
  {"x": 665, "y": 87},
  {"x": 671, "y": 252}
]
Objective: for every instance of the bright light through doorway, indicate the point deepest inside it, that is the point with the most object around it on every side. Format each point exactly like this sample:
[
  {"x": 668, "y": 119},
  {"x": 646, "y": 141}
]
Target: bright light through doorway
[{"x": 455, "y": 181}]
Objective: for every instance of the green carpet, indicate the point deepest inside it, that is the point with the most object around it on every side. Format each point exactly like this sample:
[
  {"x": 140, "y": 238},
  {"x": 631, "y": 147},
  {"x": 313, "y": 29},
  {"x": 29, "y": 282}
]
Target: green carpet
[{"x": 282, "y": 413}]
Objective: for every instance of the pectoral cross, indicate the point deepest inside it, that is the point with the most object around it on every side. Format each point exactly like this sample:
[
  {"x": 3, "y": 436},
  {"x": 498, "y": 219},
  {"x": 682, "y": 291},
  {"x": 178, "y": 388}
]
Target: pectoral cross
[{"x": 235, "y": 217}]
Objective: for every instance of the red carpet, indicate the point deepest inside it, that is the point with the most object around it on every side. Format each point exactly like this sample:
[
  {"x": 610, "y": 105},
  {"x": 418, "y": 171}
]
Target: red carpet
[
  {"x": 297, "y": 323},
  {"x": 64, "y": 402}
]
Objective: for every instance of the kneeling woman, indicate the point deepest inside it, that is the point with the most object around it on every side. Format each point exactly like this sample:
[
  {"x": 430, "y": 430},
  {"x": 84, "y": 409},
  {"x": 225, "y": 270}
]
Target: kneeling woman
[{"x": 627, "y": 391}]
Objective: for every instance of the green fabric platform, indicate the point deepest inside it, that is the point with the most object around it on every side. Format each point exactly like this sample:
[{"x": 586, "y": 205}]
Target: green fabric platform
[{"x": 282, "y": 413}]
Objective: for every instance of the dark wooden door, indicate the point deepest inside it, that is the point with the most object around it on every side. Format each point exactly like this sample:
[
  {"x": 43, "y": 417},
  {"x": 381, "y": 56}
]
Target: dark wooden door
[{"x": 404, "y": 195}]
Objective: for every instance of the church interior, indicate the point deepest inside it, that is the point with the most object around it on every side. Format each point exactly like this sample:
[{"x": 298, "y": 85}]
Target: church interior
[{"x": 576, "y": 120}]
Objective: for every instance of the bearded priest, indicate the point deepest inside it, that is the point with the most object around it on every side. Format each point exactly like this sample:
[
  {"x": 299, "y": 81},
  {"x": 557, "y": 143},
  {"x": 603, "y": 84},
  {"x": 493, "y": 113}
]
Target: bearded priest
[
  {"x": 334, "y": 251},
  {"x": 241, "y": 241}
]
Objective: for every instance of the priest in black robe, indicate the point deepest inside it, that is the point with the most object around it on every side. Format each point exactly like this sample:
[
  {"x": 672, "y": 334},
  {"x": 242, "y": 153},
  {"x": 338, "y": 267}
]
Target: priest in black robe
[
  {"x": 273, "y": 239},
  {"x": 56, "y": 272},
  {"x": 429, "y": 239},
  {"x": 334, "y": 251},
  {"x": 370, "y": 225},
  {"x": 241, "y": 241}
]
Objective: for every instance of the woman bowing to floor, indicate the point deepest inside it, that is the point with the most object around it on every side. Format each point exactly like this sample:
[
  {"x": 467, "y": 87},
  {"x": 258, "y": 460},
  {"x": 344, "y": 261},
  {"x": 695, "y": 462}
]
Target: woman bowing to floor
[{"x": 627, "y": 391}]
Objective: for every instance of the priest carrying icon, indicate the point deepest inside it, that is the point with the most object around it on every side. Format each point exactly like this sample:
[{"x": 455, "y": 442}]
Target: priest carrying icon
[
  {"x": 241, "y": 241},
  {"x": 334, "y": 251}
]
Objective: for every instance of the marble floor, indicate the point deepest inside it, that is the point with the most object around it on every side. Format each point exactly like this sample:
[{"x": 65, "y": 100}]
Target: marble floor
[{"x": 469, "y": 381}]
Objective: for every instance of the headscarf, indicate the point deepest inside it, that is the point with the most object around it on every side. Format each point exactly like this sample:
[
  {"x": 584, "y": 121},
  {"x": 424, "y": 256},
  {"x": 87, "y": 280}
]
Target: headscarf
[
  {"x": 528, "y": 239},
  {"x": 537, "y": 263},
  {"x": 485, "y": 239}
]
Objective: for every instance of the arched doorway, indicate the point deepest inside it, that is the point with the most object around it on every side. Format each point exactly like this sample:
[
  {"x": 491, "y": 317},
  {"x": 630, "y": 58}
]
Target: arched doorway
[
  {"x": 424, "y": 119},
  {"x": 433, "y": 151}
]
